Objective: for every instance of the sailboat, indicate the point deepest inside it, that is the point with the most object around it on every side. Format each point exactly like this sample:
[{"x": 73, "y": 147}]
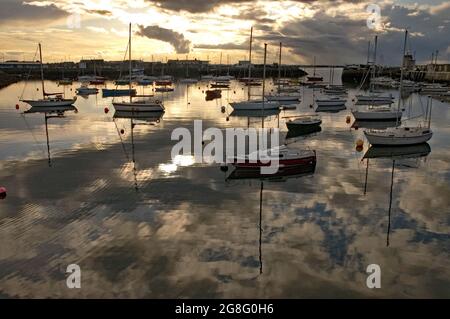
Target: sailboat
[
  {"x": 294, "y": 98},
  {"x": 315, "y": 78},
  {"x": 377, "y": 113},
  {"x": 187, "y": 79},
  {"x": 305, "y": 122},
  {"x": 140, "y": 105},
  {"x": 373, "y": 97},
  {"x": 64, "y": 80},
  {"x": 262, "y": 104},
  {"x": 401, "y": 135},
  {"x": 84, "y": 89},
  {"x": 48, "y": 99}
]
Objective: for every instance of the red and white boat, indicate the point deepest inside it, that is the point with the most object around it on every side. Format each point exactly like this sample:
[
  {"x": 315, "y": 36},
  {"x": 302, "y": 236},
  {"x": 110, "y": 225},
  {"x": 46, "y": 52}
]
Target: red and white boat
[{"x": 283, "y": 155}]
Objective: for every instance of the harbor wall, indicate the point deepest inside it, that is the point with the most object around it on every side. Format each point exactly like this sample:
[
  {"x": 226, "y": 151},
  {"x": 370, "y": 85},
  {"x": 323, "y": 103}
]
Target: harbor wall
[
  {"x": 56, "y": 73},
  {"x": 7, "y": 79}
]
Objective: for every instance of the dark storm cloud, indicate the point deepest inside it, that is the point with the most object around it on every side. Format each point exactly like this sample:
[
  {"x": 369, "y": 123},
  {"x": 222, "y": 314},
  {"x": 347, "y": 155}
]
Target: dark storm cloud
[
  {"x": 194, "y": 6},
  {"x": 22, "y": 12},
  {"x": 225, "y": 46},
  {"x": 340, "y": 39},
  {"x": 177, "y": 40}
]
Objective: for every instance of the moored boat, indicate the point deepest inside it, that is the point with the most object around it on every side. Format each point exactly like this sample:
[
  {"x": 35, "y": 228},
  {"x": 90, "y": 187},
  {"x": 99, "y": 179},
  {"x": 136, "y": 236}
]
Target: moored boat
[
  {"x": 399, "y": 136},
  {"x": 283, "y": 156},
  {"x": 255, "y": 105}
]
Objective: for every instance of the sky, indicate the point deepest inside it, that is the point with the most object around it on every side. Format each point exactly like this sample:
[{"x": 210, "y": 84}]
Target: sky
[{"x": 336, "y": 32}]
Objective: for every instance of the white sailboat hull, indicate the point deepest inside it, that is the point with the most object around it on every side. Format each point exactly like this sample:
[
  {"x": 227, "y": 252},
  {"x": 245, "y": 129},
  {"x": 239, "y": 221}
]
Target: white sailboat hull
[
  {"x": 138, "y": 107},
  {"x": 50, "y": 102},
  {"x": 399, "y": 136},
  {"x": 374, "y": 115},
  {"x": 255, "y": 105}
]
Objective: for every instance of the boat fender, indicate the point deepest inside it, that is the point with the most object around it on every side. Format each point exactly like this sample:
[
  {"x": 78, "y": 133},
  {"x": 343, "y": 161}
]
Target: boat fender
[
  {"x": 106, "y": 110},
  {"x": 17, "y": 106},
  {"x": 157, "y": 101}
]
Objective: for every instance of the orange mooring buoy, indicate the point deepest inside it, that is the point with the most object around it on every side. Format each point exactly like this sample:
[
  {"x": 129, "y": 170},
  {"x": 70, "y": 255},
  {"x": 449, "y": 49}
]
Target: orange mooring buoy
[
  {"x": 106, "y": 110},
  {"x": 17, "y": 106},
  {"x": 360, "y": 143},
  {"x": 122, "y": 131}
]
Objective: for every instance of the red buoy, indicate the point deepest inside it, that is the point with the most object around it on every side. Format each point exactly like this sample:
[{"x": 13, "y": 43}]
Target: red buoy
[
  {"x": 122, "y": 131},
  {"x": 17, "y": 106},
  {"x": 106, "y": 110},
  {"x": 2, "y": 192}
]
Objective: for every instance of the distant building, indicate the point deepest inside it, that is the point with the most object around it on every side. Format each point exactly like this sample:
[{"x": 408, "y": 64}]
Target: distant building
[
  {"x": 243, "y": 63},
  {"x": 91, "y": 64},
  {"x": 195, "y": 62},
  {"x": 409, "y": 62}
]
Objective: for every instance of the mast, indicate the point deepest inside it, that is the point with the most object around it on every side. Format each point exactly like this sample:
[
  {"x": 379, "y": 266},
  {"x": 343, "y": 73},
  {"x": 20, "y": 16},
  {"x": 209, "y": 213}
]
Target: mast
[
  {"x": 153, "y": 65},
  {"x": 129, "y": 56},
  {"x": 46, "y": 117},
  {"x": 368, "y": 53},
  {"x": 390, "y": 203},
  {"x": 264, "y": 82},
  {"x": 260, "y": 227},
  {"x": 250, "y": 56},
  {"x": 314, "y": 66},
  {"x": 250, "y": 63},
  {"x": 220, "y": 65},
  {"x": 429, "y": 115},
  {"x": 279, "y": 70},
  {"x": 374, "y": 60},
  {"x": 435, "y": 65},
  {"x": 401, "y": 75},
  {"x": 42, "y": 71},
  {"x": 187, "y": 67}
]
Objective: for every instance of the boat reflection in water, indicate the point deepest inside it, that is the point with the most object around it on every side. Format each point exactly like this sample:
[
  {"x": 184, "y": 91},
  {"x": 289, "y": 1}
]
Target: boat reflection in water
[
  {"x": 330, "y": 109},
  {"x": 51, "y": 112},
  {"x": 303, "y": 132},
  {"x": 136, "y": 118},
  {"x": 398, "y": 154},
  {"x": 255, "y": 113},
  {"x": 283, "y": 175},
  {"x": 378, "y": 125}
]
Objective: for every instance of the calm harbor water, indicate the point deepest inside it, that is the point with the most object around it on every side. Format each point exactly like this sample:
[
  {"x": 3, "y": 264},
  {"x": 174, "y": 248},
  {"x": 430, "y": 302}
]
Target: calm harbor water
[{"x": 158, "y": 227}]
